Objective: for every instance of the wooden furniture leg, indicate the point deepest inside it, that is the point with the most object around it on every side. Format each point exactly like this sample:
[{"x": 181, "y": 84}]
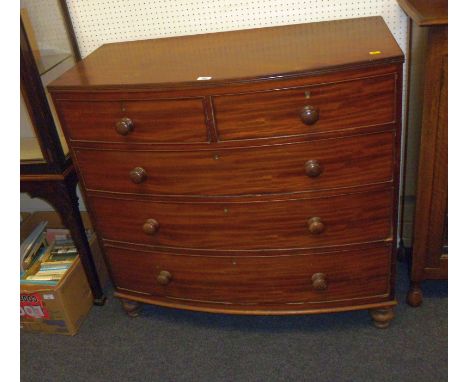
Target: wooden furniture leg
[
  {"x": 132, "y": 308},
  {"x": 414, "y": 297},
  {"x": 382, "y": 317},
  {"x": 61, "y": 194}
]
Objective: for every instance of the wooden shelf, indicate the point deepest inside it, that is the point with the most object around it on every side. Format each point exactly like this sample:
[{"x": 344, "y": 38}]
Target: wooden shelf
[{"x": 31, "y": 151}]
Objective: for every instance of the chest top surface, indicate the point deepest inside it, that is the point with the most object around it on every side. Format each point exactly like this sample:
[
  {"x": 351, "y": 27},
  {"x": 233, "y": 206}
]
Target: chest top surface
[{"x": 236, "y": 56}]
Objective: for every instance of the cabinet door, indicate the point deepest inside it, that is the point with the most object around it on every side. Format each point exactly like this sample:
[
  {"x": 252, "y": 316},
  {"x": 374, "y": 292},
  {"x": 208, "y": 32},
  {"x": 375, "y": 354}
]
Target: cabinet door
[
  {"x": 429, "y": 255},
  {"x": 47, "y": 51}
]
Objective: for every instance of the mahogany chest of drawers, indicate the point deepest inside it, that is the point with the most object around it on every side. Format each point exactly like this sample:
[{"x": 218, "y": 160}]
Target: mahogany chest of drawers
[{"x": 247, "y": 172}]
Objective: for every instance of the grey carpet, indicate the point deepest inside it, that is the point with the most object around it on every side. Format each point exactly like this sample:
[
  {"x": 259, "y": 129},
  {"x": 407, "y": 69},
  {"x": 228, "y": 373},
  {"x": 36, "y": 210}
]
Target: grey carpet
[{"x": 172, "y": 345}]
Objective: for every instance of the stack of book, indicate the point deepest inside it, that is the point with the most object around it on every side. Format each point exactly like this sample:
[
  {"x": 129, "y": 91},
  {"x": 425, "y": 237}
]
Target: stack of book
[
  {"x": 33, "y": 247},
  {"x": 49, "y": 273},
  {"x": 60, "y": 258},
  {"x": 46, "y": 255}
]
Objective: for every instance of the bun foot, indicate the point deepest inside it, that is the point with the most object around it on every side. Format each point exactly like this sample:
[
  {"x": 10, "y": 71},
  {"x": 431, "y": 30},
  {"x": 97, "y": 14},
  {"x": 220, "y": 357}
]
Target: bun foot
[
  {"x": 381, "y": 317},
  {"x": 132, "y": 308},
  {"x": 414, "y": 297}
]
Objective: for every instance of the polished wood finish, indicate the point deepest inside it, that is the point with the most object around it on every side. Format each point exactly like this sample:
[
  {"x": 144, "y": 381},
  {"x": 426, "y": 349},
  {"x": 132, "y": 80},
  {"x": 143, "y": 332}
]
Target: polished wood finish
[
  {"x": 350, "y": 218},
  {"x": 426, "y": 13},
  {"x": 415, "y": 295},
  {"x": 269, "y": 189},
  {"x": 382, "y": 317},
  {"x": 166, "y": 121},
  {"x": 256, "y": 280},
  {"x": 263, "y": 53},
  {"x": 277, "y": 310},
  {"x": 273, "y": 169},
  {"x": 340, "y": 105},
  {"x": 429, "y": 39}
]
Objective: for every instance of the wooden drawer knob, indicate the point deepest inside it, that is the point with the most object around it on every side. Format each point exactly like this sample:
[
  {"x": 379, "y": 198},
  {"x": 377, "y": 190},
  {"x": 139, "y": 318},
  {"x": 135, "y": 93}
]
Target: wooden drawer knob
[
  {"x": 150, "y": 227},
  {"x": 319, "y": 281},
  {"x": 138, "y": 175},
  {"x": 309, "y": 115},
  {"x": 316, "y": 225},
  {"x": 124, "y": 126},
  {"x": 313, "y": 168},
  {"x": 164, "y": 277}
]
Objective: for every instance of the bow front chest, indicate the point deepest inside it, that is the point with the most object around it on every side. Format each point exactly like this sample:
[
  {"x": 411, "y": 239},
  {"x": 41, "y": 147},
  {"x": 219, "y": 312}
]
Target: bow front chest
[{"x": 246, "y": 172}]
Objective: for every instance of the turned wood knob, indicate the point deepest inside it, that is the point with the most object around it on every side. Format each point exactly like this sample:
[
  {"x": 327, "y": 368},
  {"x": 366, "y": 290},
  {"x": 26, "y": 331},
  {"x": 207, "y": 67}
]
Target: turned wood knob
[
  {"x": 319, "y": 281},
  {"x": 138, "y": 175},
  {"x": 309, "y": 115},
  {"x": 124, "y": 126},
  {"x": 316, "y": 225},
  {"x": 313, "y": 168},
  {"x": 150, "y": 227},
  {"x": 164, "y": 277}
]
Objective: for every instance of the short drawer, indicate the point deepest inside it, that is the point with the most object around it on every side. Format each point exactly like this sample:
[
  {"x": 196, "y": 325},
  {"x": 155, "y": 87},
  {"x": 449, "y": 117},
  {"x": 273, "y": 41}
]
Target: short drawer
[
  {"x": 306, "y": 110},
  {"x": 165, "y": 121},
  {"x": 302, "y": 223},
  {"x": 250, "y": 280},
  {"x": 315, "y": 165}
]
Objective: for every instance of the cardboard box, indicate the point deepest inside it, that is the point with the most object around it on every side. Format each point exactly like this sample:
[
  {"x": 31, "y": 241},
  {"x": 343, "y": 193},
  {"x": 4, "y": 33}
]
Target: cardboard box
[
  {"x": 61, "y": 308},
  {"x": 56, "y": 309}
]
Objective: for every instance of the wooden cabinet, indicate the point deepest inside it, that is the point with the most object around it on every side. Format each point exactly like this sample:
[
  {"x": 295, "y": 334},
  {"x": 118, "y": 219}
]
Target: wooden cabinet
[
  {"x": 270, "y": 188},
  {"x": 47, "y": 49},
  {"x": 428, "y": 113}
]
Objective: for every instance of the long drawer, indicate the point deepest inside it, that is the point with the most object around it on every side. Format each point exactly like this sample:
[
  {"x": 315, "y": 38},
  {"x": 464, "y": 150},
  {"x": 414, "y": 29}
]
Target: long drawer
[
  {"x": 249, "y": 280},
  {"x": 285, "y": 168},
  {"x": 129, "y": 121},
  {"x": 305, "y": 110},
  {"x": 302, "y": 223}
]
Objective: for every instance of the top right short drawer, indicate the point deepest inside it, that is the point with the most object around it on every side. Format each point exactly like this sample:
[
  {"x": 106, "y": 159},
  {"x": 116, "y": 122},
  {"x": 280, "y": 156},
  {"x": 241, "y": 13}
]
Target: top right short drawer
[{"x": 306, "y": 109}]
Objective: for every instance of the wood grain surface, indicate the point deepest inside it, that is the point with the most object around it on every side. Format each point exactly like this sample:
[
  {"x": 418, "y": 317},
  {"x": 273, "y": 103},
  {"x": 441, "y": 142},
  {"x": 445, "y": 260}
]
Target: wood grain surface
[
  {"x": 348, "y": 219},
  {"x": 426, "y": 13},
  {"x": 181, "y": 120},
  {"x": 362, "y": 102},
  {"x": 429, "y": 257},
  {"x": 253, "y": 280},
  {"x": 262, "y": 53},
  {"x": 267, "y": 189},
  {"x": 344, "y": 162}
]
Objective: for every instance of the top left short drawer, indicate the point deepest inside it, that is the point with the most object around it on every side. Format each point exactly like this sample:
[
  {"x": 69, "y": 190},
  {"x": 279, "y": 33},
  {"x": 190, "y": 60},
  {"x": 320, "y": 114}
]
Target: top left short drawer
[{"x": 129, "y": 121}]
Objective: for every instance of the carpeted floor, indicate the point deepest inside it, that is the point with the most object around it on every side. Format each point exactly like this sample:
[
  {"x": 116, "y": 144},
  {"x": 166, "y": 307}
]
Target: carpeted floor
[{"x": 171, "y": 345}]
